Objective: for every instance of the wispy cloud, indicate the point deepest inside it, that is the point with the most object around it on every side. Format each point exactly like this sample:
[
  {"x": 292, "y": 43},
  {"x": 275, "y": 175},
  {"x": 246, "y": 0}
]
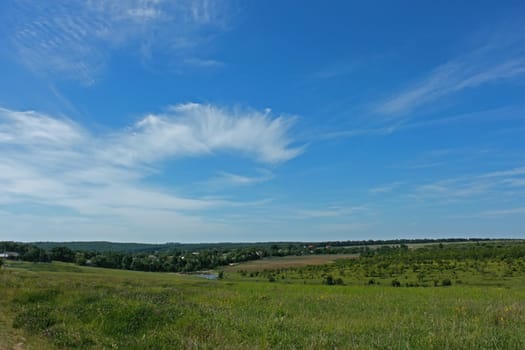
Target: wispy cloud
[
  {"x": 329, "y": 212},
  {"x": 58, "y": 164},
  {"x": 493, "y": 213},
  {"x": 503, "y": 212},
  {"x": 204, "y": 63},
  {"x": 230, "y": 179},
  {"x": 196, "y": 129},
  {"x": 360, "y": 132},
  {"x": 515, "y": 182},
  {"x": 467, "y": 187},
  {"x": 386, "y": 188},
  {"x": 74, "y": 39},
  {"x": 452, "y": 189},
  {"x": 489, "y": 64},
  {"x": 387, "y": 127},
  {"x": 505, "y": 173},
  {"x": 501, "y": 60}
]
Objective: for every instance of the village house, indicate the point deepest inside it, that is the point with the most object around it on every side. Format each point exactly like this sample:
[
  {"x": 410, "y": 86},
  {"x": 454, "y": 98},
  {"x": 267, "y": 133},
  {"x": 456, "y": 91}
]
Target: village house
[{"x": 10, "y": 255}]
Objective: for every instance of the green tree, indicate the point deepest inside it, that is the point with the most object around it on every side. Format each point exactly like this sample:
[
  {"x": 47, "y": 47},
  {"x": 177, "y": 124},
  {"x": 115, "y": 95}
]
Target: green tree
[
  {"x": 80, "y": 258},
  {"x": 35, "y": 254},
  {"x": 396, "y": 283},
  {"x": 329, "y": 280},
  {"x": 62, "y": 254}
]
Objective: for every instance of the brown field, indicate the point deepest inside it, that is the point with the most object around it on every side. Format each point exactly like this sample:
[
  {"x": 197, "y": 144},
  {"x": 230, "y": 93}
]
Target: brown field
[{"x": 287, "y": 262}]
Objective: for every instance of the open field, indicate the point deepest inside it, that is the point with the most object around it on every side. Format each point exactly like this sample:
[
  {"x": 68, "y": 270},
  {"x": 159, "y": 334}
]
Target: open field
[
  {"x": 285, "y": 262},
  {"x": 500, "y": 264},
  {"x": 52, "y": 306}
]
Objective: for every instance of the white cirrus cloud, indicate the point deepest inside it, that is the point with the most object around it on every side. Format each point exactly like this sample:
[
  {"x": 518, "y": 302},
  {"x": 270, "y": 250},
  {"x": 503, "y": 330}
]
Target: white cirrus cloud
[
  {"x": 504, "y": 173},
  {"x": 224, "y": 178},
  {"x": 487, "y": 186},
  {"x": 58, "y": 164},
  {"x": 482, "y": 66},
  {"x": 195, "y": 129},
  {"x": 74, "y": 39},
  {"x": 385, "y": 188}
]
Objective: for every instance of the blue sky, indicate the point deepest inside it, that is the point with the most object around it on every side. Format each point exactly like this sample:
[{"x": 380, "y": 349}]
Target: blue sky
[{"x": 189, "y": 121}]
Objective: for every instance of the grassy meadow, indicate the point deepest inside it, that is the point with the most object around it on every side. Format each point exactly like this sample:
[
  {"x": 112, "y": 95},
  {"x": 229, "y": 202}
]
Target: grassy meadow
[{"x": 64, "y": 306}]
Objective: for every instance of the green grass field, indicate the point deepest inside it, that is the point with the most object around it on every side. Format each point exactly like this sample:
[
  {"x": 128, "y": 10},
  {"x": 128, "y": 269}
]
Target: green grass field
[{"x": 55, "y": 306}]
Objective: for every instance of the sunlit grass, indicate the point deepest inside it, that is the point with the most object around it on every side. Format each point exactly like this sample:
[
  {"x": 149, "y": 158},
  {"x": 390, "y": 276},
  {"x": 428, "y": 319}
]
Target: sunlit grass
[{"x": 100, "y": 308}]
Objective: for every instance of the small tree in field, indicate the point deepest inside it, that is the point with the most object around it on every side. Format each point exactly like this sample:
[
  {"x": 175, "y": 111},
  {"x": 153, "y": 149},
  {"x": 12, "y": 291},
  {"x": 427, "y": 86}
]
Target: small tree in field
[
  {"x": 396, "y": 283},
  {"x": 329, "y": 280}
]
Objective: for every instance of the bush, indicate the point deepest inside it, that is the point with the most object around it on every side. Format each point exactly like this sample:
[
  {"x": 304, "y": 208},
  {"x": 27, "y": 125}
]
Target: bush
[
  {"x": 328, "y": 280},
  {"x": 396, "y": 283},
  {"x": 446, "y": 282}
]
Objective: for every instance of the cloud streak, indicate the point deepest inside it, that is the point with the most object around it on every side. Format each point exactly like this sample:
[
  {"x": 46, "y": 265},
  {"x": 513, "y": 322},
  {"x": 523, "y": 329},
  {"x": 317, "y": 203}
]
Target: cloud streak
[
  {"x": 490, "y": 64},
  {"x": 329, "y": 212},
  {"x": 501, "y": 60},
  {"x": 229, "y": 179},
  {"x": 503, "y": 183}
]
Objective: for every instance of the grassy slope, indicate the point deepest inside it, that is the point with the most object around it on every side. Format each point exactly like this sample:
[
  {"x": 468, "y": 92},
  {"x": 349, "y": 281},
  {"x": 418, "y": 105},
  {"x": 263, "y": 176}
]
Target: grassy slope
[{"x": 100, "y": 308}]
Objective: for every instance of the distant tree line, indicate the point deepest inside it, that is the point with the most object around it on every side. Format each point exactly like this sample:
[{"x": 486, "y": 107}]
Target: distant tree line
[
  {"x": 170, "y": 260},
  {"x": 102, "y": 246},
  {"x": 195, "y": 257}
]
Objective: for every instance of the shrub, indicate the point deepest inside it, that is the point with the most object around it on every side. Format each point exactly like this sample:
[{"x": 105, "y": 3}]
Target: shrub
[
  {"x": 328, "y": 280},
  {"x": 396, "y": 283},
  {"x": 446, "y": 282}
]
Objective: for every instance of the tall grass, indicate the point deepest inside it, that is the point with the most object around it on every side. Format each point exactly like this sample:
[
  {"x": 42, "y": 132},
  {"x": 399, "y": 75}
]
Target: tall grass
[{"x": 107, "y": 309}]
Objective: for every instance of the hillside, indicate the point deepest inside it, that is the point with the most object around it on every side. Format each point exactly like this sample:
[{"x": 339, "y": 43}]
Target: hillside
[{"x": 278, "y": 305}]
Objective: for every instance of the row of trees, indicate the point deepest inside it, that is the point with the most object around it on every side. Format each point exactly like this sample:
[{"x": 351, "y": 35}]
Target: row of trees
[
  {"x": 174, "y": 260},
  {"x": 179, "y": 260}
]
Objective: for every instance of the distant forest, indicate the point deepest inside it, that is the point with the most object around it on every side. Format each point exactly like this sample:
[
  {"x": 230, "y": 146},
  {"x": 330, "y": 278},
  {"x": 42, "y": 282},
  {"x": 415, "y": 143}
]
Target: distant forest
[
  {"x": 103, "y": 246},
  {"x": 190, "y": 257}
]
